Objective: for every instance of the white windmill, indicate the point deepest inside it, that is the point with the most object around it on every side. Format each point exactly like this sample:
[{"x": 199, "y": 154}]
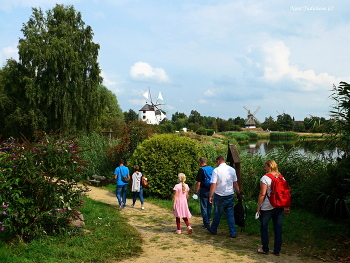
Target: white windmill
[
  {"x": 152, "y": 113},
  {"x": 250, "y": 122}
]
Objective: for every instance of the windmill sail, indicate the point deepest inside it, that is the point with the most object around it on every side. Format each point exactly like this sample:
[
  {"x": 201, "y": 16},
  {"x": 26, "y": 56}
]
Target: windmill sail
[
  {"x": 160, "y": 97},
  {"x": 146, "y": 95}
]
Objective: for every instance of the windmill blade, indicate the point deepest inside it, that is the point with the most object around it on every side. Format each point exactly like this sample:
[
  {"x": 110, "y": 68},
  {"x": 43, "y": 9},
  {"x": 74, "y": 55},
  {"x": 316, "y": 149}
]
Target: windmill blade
[
  {"x": 256, "y": 110},
  {"x": 160, "y": 97},
  {"x": 146, "y": 95},
  {"x": 245, "y": 108}
]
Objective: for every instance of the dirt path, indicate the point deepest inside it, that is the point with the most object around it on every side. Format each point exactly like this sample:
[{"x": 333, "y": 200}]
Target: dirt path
[{"x": 157, "y": 226}]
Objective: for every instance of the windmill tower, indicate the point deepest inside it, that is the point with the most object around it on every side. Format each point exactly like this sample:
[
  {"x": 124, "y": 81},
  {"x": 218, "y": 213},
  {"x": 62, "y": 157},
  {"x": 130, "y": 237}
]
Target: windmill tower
[
  {"x": 151, "y": 113},
  {"x": 250, "y": 122}
]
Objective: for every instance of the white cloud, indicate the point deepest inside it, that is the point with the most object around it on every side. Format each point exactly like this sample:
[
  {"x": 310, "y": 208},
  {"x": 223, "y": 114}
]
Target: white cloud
[
  {"x": 277, "y": 67},
  {"x": 111, "y": 84},
  {"x": 8, "y": 52},
  {"x": 202, "y": 101},
  {"x": 208, "y": 93},
  {"x": 142, "y": 71}
]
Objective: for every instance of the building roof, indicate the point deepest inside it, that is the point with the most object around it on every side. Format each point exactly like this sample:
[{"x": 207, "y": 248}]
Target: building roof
[{"x": 147, "y": 107}]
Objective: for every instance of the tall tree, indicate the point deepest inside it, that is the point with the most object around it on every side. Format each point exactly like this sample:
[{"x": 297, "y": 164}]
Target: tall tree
[
  {"x": 61, "y": 72},
  {"x": 130, "y": 116},
  {"x": 111, "y": 109}
]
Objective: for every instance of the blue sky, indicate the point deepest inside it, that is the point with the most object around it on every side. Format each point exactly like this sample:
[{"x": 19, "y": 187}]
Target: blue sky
[{"x": 212, "y": 56}]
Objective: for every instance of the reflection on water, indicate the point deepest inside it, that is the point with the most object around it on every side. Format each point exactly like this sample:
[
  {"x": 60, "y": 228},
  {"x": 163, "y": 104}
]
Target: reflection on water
[{"x": 308, "y": 146}]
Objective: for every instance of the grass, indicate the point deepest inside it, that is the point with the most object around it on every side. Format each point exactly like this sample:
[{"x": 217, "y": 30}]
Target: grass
[{"x": 107, "y": 237}]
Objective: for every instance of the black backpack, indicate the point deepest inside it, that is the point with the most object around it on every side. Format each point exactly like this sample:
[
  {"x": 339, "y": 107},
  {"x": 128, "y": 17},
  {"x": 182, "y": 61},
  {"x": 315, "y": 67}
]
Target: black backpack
[{"x": 239, "y": 214}]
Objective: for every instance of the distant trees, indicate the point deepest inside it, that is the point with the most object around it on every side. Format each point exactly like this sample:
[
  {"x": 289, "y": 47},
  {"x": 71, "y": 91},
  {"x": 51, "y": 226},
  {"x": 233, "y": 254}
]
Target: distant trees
[{"x": 56, "y": 82}]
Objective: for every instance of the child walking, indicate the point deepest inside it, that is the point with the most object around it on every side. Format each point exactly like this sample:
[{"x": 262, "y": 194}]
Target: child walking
[
  {"x": 180, "y": 206},
  {"x": 136, "y": 187}
]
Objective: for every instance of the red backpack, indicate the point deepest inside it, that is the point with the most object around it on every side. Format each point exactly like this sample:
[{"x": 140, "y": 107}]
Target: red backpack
[{"x": 280, "y": 193}]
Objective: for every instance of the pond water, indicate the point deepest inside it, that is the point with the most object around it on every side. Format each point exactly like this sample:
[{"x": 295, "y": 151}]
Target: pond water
[{"x": 315, "y": 147}]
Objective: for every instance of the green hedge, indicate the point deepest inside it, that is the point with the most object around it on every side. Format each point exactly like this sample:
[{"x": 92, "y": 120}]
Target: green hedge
[{"x": 162, "y": 157}]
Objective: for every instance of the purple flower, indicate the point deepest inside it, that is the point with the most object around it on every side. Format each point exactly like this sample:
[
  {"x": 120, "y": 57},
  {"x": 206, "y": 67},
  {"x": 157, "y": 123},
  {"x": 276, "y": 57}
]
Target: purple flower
[
  {"x": 2, "y": 229},
  {"x": 16, "y": 215},
  {"x": 4, "y": 206},
  {"x": 60, "y": 150},
  {"x": 4, "y": 213}
]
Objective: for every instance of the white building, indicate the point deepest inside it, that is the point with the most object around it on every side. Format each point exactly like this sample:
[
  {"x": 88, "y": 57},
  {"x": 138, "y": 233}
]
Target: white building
[{"x": 151, "y": 114}]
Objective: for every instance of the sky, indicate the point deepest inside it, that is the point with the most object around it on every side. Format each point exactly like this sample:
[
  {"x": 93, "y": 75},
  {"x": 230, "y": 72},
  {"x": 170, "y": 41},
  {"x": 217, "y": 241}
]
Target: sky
[{"x": 216, "y": 57}]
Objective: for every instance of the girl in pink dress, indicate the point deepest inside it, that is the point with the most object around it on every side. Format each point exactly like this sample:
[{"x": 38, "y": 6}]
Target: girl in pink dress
[{"x": 180, "y": 203}]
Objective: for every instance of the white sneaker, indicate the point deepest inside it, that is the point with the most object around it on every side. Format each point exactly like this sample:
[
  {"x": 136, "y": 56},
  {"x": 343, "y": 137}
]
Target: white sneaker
[
  {"x": 132, "y": 206},
  {"x": 190, "y": 230},
  {"x": 178, "y": 232},
  {"x": 142, "y": 208}
]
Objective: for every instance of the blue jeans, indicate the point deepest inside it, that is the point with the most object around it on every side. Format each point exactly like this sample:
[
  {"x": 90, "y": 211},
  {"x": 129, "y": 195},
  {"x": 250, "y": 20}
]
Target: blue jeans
[
  {"x": 121, "y": 193},
  {"x": 139, "y": 194},
  {"x": 276, "y": 215},
  {"x": 223, "y": 203},
  {"x": 205, "y": 206}
]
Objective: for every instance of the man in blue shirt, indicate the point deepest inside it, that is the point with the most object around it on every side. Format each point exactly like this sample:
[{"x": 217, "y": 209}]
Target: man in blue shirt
[
  {"x": 122, "y": 186},
  {"x": 203, "y": 189}
]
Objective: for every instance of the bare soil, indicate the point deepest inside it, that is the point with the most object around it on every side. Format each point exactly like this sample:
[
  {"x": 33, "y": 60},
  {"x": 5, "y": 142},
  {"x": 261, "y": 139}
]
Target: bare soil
[{"x": 157, "y": 226}]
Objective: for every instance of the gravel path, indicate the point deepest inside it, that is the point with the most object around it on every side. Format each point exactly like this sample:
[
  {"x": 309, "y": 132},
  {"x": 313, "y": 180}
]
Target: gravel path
[{"x": 157, "y": 225}]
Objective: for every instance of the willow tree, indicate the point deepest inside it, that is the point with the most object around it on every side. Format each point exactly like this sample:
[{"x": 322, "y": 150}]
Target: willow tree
[{"x": 61, "y": 72}]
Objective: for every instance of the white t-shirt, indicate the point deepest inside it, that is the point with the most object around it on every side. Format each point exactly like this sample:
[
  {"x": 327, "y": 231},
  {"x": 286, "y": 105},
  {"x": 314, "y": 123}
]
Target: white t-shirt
[
  {"x": 266, "y": 203},
  {"x": 224, "y": 176}
]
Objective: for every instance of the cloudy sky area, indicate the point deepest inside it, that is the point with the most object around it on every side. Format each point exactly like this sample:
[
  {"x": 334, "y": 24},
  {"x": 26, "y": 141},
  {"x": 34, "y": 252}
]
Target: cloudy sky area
[{"x": 212, "y": 56}]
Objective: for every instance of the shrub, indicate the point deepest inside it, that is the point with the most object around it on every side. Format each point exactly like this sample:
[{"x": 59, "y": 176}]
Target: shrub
[
  {"x": 210, "y": 132},
  {"x": 162, "y": 157},
  {"x": 201, "y": 131},
  {"x": 133, "y": 133},
  {"x": 38, "y": 189},
  {"x": 97, "y": 156}
]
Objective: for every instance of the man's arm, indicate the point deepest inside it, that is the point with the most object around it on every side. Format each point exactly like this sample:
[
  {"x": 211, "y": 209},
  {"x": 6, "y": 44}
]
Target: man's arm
[
  {"x": 198, "y": 185},
  {"x": 212, "y": 188}
]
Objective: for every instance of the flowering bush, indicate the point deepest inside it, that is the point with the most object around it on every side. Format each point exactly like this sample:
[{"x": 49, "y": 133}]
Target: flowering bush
[{"x": 39, "y": 194}]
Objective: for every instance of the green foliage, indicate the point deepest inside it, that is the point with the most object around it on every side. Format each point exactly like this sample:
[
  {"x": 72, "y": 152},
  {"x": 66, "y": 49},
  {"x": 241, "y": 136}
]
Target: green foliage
[
  {"x": 162, "y": 157},
  {"x": 108, "y": 236},
  {"x": 210, "y": 132},
  {"x": 132, "y": 134},
  {"x": 285, "y": 122},
  {"x": 54, "y": 84},
  {"x": 111, "y": 111},
  {"x": 130, "y": 116},
  {"x": 97, "y": 155},
  {"x": 282, "y": 135},
  {"x": 237, "y": 136},
  {"x": 38, "y": 190}
]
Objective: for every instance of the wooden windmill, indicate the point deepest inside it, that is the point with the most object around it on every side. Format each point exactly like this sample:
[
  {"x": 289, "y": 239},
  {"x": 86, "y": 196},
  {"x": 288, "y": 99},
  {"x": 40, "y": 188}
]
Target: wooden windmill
[{"x": 250, "y": 122}]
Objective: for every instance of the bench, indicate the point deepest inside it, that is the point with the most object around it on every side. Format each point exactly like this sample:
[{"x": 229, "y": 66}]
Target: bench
[{"x": 96, "y": 179}]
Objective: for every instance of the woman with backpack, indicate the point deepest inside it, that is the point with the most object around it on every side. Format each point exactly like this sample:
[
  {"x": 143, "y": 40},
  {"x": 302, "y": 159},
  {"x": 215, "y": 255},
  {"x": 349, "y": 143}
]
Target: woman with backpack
[{"x": 266, "y": 211}]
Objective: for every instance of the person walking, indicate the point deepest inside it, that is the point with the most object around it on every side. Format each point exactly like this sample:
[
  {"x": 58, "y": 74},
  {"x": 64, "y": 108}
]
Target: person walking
[
  {"x": 180, "y": 206},
  {"x": 267, "y": 212},
  {"x": 203, "y": 184},
  {"x": 120, "y": 172},
  {"x": 224, "y": 184},
  {"x": 136, "y": 187}
]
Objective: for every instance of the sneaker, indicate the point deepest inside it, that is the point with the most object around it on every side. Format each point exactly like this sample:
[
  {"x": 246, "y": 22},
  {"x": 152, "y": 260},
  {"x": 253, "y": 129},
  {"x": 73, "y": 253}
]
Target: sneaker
[
  {"x": 132, "y": 206},
  {"x": 178, "y": 232},
  {"x": 190, "y": 230},
  {"x": 121, "y": 206},
  {"x": 142, "y": 208},
  {"x": 205, "y": 227}
]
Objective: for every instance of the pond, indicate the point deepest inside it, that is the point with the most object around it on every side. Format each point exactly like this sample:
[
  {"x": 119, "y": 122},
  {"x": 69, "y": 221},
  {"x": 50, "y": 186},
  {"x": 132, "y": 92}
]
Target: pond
[{"x": 315, "y": 147}]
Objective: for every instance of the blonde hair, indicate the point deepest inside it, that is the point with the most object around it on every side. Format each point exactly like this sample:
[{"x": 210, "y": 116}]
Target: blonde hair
[
  {"x": 182, "y": 179},
  {"x": 272, "y": 165}
]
